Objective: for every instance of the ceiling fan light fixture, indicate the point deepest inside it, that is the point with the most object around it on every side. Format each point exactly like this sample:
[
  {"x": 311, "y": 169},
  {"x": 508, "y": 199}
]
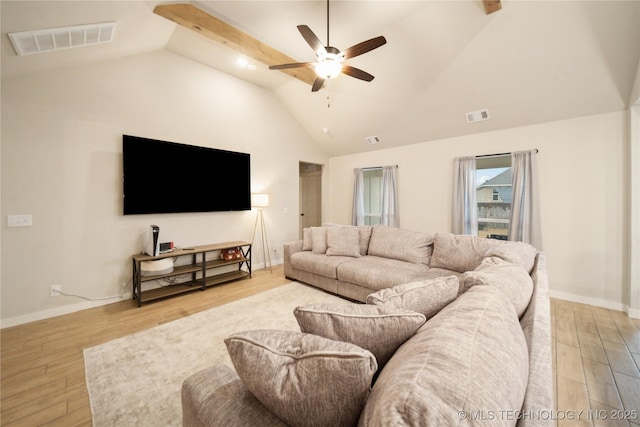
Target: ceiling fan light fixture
[
  {"x": 328, "y": 69},
  {"x": 329, "y": 63}
]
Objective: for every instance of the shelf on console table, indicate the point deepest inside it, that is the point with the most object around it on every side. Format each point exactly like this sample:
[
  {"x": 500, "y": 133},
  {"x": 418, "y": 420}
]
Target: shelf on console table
[{"x": 198, "y": 269}]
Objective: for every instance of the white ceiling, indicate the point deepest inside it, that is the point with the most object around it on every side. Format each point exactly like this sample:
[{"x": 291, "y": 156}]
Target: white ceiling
[{"x": 531, "y": 62}]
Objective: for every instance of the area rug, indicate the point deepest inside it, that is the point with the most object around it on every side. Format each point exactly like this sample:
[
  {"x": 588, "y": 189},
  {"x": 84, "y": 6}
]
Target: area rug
[{"x": 136, "y": 380}]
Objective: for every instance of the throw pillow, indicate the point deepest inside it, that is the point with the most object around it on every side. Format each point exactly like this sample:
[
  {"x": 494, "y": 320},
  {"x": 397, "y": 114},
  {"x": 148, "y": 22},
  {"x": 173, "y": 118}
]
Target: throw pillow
[
  {"x": 307, "y": 243},
  {"x": 319, "y": 240},
  {"x": 511, "y": 279},
  {"x": 426, "y": 296},
  {"x": 515, "y": 252},
  {"x": 343, "y": 241},
  {"x": 401, "y": 244},
  {"x": 304, "y": 379},
  {"x": 381, "y": 330},
  {"x": 459, "y": 252}
]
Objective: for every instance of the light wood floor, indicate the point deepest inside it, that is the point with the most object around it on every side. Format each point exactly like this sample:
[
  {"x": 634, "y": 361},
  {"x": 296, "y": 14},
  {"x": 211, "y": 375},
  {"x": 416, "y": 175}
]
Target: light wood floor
[{"x": 596, "y": 355}]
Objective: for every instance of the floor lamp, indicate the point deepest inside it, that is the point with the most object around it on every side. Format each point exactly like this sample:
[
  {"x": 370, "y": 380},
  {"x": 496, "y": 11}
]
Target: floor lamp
[{"x": 261, "y": 200}]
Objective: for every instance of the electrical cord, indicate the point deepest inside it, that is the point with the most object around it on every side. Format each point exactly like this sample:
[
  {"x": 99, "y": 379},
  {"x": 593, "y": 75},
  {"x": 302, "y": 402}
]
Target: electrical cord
[{"x": 91, "y": 299}]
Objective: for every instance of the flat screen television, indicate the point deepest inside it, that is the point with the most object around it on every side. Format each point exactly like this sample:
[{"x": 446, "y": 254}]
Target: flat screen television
[{"x": 168, "y": 177}]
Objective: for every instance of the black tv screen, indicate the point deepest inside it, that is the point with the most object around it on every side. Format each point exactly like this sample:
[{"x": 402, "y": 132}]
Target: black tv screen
[{"x": 167, "y": 177}]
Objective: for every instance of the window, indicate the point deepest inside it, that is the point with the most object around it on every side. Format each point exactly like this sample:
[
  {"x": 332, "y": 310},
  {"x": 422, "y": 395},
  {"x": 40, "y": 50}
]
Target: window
[
  {"x": 494, "y": 195},
  {"x": 372, "y": 196}
]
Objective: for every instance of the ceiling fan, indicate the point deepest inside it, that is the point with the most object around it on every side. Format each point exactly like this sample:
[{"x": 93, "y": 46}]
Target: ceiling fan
[{"x": 330, "y": 60}]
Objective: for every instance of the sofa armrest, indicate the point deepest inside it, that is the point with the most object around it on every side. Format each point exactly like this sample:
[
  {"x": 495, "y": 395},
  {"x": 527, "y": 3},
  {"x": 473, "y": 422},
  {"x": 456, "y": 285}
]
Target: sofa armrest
[
  {"x": 536, "y": 326},
  {"x": 216, "y": 396},
  {"x": 290, "y": 248}
]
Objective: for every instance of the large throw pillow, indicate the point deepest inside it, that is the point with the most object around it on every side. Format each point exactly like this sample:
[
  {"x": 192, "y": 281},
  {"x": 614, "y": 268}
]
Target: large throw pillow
[
  {"x": 401, "y": 244},
  {"x": 343, "y": 241},
  {"x": 516, "y": 252},
  {"x": 459, "y": 252},
  {"x": 304, "y": 379},
  {"x": 425, "y": 296},
  {"x": 307, "y": 243},
  {"x": 470, "y": 358},
  {"x": 511, "y": 279},
  {"x": 319, "y": 240},
  {"x": 381, "y": 330}
]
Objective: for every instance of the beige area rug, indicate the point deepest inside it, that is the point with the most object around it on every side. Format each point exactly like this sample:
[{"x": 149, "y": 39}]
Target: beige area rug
[{"x": 136, "y": 380}]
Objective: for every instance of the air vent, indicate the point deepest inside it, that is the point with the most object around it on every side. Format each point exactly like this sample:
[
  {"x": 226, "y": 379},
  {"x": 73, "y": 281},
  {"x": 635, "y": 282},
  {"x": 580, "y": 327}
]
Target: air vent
[
  {"x": 373, "y": 140},
  {"x": 477, "y": 116},
  {"x": 52, "y": 39}
]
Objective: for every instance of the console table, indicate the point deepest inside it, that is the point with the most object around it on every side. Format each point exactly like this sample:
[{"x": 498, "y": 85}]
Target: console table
[{"x": 200, "y": 269}]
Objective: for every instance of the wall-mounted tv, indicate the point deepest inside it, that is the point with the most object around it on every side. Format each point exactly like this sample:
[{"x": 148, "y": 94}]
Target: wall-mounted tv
[{"x": 168, "y": 177}]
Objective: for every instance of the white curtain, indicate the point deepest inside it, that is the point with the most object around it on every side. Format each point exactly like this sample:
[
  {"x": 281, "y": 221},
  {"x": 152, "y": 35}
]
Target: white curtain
[
  {"x": 358, "y": 198},
  {"x": 524, "y": 225},
  {"x": 390, "y": 214},
  {"x": 465, "y": 207}
]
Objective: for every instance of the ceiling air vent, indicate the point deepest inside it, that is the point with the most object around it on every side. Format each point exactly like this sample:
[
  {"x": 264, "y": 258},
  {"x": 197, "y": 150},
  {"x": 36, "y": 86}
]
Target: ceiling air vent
[
  {"x": 372, "y": 140},
  {"x": 477, "y": 116},
  {"x": 52, "y": 39}
]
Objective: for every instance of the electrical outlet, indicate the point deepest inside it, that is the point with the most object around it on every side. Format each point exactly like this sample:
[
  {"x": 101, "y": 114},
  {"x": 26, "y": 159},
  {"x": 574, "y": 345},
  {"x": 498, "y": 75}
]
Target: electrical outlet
[{"x": 56, "y": 290}]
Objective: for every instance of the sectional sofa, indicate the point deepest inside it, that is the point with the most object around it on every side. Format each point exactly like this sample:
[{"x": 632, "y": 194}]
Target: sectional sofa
[{"x": 455, "y": 330}]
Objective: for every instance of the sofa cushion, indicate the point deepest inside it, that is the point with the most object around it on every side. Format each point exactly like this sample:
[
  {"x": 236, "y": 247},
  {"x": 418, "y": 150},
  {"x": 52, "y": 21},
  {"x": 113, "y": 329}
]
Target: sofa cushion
[
  {"x": 401, "y": 244},
  {"x": 511, "y": 279},
  {"x": 425, "y": 296},
  {"x": 217, "y": 394},
  {"x": 469, "y": 358},
  {"x": 304, "y": 379},
  {"x": 381, "y": 330},
  {"x": 343, "y": 241},
  {"x": 519, "y": 253},
  {"x": 378, "y": 273},
  {"x": 318, "y": 263},
  {"x": 459, "y": 252}
]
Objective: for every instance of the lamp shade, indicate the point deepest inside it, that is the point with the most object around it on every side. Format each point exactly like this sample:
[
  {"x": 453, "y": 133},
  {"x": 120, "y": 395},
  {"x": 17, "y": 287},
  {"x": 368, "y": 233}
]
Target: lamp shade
[{"x": 259, "y": 200}]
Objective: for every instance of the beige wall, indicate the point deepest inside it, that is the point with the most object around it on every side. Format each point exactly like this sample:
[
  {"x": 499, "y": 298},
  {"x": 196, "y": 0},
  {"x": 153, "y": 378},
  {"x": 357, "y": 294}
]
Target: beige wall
[
  {"x": 62, "y": 163},
  {"x": 583, "y": 191}
]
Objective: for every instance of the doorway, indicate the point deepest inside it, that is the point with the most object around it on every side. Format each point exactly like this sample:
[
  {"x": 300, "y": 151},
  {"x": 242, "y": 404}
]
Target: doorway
[{"x": 310, "y": 195}]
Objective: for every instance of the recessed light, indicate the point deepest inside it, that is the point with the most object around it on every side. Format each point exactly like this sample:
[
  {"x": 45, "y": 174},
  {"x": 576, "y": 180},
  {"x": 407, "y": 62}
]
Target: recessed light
[{"x": 242, "y": 62}]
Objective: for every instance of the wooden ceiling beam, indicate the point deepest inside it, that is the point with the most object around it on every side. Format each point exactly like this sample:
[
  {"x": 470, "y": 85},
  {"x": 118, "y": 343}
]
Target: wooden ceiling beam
[
  {"x": 189, "y": 16},
  {"x": 491, "y": 6}
]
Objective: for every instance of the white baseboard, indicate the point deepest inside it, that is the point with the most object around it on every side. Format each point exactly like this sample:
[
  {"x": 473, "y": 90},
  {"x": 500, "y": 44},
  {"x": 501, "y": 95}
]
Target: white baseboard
[
  {"x": 58, "y": 311},
  {"x": 597, "y": 302}
]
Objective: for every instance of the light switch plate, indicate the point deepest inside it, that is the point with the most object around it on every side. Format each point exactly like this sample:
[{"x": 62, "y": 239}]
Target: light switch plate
[{"x": 19, "y": 221}]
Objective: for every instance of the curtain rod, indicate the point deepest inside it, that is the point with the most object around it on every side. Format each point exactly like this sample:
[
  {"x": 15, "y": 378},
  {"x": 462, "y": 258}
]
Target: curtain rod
[
  {"x": 484, "y": 156},
  {"x": 375, "y": 167}
]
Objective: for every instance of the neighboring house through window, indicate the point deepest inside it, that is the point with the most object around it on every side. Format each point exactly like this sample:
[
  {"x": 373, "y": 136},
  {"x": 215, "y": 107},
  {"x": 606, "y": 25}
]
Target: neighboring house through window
[{"x": 494, "y": 196}]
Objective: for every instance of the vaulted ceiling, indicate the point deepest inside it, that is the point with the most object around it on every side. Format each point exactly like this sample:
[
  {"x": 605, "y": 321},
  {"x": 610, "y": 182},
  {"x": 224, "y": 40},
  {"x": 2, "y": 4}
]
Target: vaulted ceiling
[{"x": 531, "y": 62}]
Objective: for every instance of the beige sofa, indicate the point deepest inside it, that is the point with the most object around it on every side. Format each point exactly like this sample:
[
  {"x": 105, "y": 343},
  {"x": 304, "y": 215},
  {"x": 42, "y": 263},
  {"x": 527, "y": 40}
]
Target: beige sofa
[{"x": 481, "y": 357}]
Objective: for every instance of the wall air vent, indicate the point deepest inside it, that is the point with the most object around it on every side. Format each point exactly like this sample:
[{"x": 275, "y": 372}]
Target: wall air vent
[
  {"x": 477, "y": 116},
  {"x": 52, "y": 39},
  {"x": 372, "y": 140}
]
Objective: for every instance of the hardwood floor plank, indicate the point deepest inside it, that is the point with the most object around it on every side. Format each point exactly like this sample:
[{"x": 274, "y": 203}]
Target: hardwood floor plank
[
  {"x": 573, "y": 398},
  {"x": 620, "y": 359},
  {"x": 602, "y": 386}
]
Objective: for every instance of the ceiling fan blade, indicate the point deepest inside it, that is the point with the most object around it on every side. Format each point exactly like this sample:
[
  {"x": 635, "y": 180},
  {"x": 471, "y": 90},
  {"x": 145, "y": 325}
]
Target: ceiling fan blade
[
  {"x": 311, "y": 38},
  {"x": 317, "y": 84},
  {"x": 356, "y": 72},
  {"x": 364, "y": 47},
  {"x": 293, "y": 65}
]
